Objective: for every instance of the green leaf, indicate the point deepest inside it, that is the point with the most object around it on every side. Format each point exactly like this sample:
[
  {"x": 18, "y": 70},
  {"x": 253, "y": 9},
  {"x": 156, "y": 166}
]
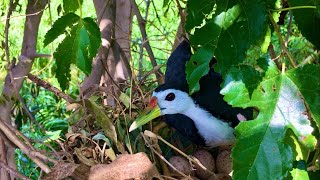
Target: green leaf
[
  {"x": 232, "y": 28},
  {"x": 71, "y": 5},
  {"x": 300, "y": 149},
  {"x": 299, "y": 174},
  {"x": 100, "y": 136},
  {"x": 125, "y": 99},
  {"x": 84, "y": 61},
  {"x": 308, "y": 20},
  {"x": 59, "y": 27},
  {"x": 307, "y": 80},
  {"x": 197, "y": 67},
  {"x": 51, "y": 136},
  {"x": 247, "y": 74},
  {"x": 79, "y": 47},
  {"x": 165, "y": 3},
  {"x": 94, "y": 35},
  {"x": 260, "y": 149},
  {"x": 102, "y": 120},
  {"x": 65, "y": 55},
  {"x": 197, "y": 10}
]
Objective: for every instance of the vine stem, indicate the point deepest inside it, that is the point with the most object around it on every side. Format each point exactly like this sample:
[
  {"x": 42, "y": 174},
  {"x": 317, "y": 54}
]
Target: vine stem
[
  {"x": 80, "y": 8},
  {"x": 282, "y": 43},
  {"x": 295, "y": 7}
]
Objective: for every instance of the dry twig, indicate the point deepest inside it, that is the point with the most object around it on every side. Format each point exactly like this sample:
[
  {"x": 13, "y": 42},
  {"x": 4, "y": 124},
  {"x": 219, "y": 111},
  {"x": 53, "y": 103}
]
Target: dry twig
[
  {"x": 146, "y": 43},
  {"x": 12, "y": 171}
]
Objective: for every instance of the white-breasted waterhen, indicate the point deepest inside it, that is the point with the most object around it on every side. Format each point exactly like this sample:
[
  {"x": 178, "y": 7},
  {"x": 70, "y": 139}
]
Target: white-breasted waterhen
[{"x": 204, "y": 117}]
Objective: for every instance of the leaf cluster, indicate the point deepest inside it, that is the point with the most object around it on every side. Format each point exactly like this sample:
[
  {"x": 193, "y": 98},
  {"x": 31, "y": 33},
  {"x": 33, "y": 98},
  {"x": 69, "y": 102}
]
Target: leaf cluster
[{"x": 286, "y": 97}]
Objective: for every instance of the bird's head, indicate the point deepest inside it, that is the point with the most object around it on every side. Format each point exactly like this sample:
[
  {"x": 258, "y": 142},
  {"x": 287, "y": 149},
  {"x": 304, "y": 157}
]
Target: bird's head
[
  {"x": 172, "y": 101},
  {"x": 166, "y": 99}
]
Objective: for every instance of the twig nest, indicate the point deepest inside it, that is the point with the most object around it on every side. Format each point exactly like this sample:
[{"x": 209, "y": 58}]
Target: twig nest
[
  {"x": 224, "y": 162},
  {"x": 207, "y": 160},
  {"x": 181, "y": 164},
  {"x": 220, "y": 176}
]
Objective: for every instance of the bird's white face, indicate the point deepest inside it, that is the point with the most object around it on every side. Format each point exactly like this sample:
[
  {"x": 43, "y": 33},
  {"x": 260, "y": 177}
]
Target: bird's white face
[
  {"x": 169, "y": 101},
  {"x": 172, "y": 101}
]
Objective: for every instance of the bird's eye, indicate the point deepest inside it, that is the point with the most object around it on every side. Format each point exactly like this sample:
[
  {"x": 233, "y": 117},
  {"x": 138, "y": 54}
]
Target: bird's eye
[{"x": 170, "y": 97}]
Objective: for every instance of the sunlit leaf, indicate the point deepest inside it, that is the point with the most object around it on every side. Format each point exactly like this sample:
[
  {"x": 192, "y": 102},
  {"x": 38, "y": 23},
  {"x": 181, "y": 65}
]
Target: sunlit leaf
[
  {"x": 260, "y": 150},
  {"x": 197, "y": 11},
  {"x": 307, "y": 80},
  {"x": 229, "y": 33},
  {"x": 299, "y": 174}
]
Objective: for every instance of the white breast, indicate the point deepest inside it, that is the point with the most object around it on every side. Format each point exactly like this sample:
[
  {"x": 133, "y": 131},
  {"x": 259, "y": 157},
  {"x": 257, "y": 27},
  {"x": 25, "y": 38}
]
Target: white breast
[{"x": 214, "y": 131}]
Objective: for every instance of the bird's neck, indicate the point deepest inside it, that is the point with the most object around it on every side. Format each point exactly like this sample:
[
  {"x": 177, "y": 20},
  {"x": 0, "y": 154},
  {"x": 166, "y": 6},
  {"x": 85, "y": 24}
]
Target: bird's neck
[{"x": 215, "y": 131}]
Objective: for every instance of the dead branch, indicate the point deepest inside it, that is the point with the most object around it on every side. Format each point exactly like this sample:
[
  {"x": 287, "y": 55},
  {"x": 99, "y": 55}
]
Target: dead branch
[
  {"x": 12, "y": 171},
  {"x": 12, "y": 137},
  {"x": 51, "y": 88}
]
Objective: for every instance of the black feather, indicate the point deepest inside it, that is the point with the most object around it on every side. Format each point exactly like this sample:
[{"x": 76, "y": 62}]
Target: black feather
[{"x": 209, "y": 97}]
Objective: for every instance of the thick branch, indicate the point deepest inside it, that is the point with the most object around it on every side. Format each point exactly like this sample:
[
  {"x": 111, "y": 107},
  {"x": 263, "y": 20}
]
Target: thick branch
[
  {"x": 24, "y": 65},
  {"x": 13, "y": 138},
  {"x": 13, "y": 172}
]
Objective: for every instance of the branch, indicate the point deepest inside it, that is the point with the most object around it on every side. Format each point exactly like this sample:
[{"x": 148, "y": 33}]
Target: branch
[
  {"x": 146, "y": 43},
  {"x": 310, "y": 58},
  {"x": 51, "y": 88},
  {"x": 13, "y": 138},
  {"x": 48, "y": 56},
  {"x": 282, "y": 43},
  {"x": 13, "y": 172}
]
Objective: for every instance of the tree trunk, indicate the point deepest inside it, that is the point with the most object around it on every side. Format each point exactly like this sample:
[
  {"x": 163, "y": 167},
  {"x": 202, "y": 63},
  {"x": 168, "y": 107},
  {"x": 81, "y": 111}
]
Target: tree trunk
[
  {"x": 12, "y": 88},
  {"x": 115, "y": 19}
]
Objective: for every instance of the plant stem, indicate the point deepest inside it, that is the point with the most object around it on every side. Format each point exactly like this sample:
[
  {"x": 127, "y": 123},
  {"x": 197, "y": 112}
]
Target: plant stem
[
  {"x": 80, "y": 8},
  {"x": 282, "y": 43},
  {"x": 295, "y": 7}
]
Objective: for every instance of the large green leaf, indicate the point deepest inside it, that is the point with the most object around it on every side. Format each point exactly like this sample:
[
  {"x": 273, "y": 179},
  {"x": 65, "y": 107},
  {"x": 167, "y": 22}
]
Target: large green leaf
[
  {"x": 197, "y": 67},
  {"x": 307, "y": 80},
  {"x": 102, "y": 120},
  {"x": 94, "y": 35},
  {"x": 59, "y": 27},
  {"x": 308, "y": 20},
  {"x": 79, "y": 47},
  {"x": 248, "y": 75},
  {"x": 197, "y": 10},
  {"x": 261, "y": 149},
  {"x": 65, "y": 55},
  {"x": 235, "y": 25}
]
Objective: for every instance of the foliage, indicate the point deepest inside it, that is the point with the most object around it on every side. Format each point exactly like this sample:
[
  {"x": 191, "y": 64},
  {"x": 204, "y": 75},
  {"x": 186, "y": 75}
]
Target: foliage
[
  {"x": 79, "y": 46},
  {"x": 279, "y": 143},
  {"x": 286, "y": 100}
]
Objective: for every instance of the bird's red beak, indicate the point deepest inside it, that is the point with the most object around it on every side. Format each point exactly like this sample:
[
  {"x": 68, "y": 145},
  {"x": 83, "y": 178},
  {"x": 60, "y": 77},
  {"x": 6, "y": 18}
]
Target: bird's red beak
[
  {"x": 151, "y": 112},
  {"x": 152, "y": 105}
]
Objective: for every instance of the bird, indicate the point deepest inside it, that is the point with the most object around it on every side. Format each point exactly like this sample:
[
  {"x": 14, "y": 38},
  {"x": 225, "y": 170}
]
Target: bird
[{"x": 203, "y": 117}]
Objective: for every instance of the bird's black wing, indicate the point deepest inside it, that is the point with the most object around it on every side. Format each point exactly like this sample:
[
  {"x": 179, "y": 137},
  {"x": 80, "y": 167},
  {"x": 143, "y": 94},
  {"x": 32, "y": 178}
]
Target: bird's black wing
[
  {"x": 185, "y": 126},
  {"x": 209, "y": 98},
  {"x": 176, "y": 64}
]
